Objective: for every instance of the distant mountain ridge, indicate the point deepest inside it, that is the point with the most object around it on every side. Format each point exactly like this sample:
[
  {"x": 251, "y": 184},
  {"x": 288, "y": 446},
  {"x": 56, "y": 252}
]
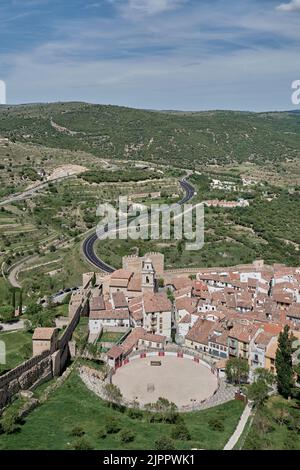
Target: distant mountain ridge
[{"x": 158, "y": 136}]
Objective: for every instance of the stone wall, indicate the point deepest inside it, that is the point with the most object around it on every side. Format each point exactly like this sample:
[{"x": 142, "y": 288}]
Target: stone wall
[
  {"x": 47, "y": 364},
  {"x": 24, "y": 376}
]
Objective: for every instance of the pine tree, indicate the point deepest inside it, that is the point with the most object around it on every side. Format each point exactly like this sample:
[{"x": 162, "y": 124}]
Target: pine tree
[{"x": 283, "y": 363}]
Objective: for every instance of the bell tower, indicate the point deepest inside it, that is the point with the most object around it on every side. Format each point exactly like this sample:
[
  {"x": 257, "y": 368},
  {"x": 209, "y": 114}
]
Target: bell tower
[{"x": 148, "y": 276}]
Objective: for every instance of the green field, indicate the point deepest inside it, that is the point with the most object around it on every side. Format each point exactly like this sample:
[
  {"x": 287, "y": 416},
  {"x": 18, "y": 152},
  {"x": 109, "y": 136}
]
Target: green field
[
  {"x": 18, "y": 348},
  {"x": 72, "y": 405}
]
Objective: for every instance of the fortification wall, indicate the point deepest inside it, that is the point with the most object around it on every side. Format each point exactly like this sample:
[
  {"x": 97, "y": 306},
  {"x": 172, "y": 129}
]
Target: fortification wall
[
  {"x": 24, "y": 376},
  {"x": 32, "y": 371}
]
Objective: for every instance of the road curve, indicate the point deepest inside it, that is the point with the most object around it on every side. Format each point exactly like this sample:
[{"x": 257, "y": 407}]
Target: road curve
[{"x": 88, "y": 246}]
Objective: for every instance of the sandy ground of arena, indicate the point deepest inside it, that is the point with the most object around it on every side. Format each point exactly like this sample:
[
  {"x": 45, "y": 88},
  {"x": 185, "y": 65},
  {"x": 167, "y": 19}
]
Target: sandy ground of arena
[{"x": 179, "y": 380}]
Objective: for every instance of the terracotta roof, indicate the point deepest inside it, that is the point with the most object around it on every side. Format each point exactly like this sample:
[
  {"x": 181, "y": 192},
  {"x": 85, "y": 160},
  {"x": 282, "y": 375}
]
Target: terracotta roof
[
  {"x": 119, "y": 300},
  {"x": 157, "y": 303},
  {"x": 97, "y": 303},
  {"x": 121, "y": 314},
  {"x": 200, "y": 332},
  {"x": 44, "y": 333},
  {"x": 135, "y": 283},
  {"x": 185, "y": 319},
  {"x": 272, "y": 348},
  {"x": 283, "y": 298},
  {"x": 180, "y": 282},
  {"x": 115, "y": 352},
  {"x": 121, "y": 274},
  {"x": 136, "y": 308},
  {"x": 153, "y": 337},
  {"x": 263, "y": 339},
  {"x": 294, "y": 311},
  {"x": 185, "y": 303},
  {"x": 243, "y": 333}
]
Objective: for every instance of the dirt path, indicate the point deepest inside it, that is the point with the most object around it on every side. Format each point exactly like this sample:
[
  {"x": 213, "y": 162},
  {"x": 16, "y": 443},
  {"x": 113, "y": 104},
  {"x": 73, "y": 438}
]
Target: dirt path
[{"x": 239, "y": 429}]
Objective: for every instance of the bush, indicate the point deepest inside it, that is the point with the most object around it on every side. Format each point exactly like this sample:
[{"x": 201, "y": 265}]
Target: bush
[
  {"x": 216, "y": 424},
  {"x": 77, "y": 432},
  {"x": 82, "y": 444},
  {"x": 101, "y": 434},
  {"x": 181, "y": 433},
  {"x": 9, "y": 422},
  {"x": 126, "y": 435},
  {"x": 112, "y": 427},
  {"x": 164, "y": 443},
  {"x": 134, "y": 413}
]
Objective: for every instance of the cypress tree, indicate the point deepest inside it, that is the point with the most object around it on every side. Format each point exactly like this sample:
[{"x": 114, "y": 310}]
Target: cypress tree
[
  {"x": 20, "y": 302},
  {"x": 283, "y": 363},
  {"x": 14, "y": 298}
]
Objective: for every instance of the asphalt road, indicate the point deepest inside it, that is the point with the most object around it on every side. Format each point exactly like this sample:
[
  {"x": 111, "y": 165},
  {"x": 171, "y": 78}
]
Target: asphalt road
[{"x": 88, "y": 246}]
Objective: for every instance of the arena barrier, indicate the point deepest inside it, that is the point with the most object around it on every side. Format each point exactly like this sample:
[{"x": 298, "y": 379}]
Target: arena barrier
[{"x": 180, "y": 354}]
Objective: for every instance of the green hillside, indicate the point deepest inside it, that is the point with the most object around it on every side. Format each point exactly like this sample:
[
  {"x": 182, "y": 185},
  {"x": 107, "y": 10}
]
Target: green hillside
[{"x": 184, "y": 138}]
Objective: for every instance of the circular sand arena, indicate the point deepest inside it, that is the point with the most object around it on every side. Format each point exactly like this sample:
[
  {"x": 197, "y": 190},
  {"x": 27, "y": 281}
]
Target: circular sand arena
[{"x": 180, "y": 380}]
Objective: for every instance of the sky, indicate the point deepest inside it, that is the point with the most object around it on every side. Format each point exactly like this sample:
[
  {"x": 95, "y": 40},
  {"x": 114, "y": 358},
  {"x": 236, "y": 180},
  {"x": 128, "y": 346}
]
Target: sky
[{"x": 153, "y": 54}]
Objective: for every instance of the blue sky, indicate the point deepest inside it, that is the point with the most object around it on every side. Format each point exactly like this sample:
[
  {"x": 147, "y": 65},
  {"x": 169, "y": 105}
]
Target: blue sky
[{"x": 157, "y": 54}]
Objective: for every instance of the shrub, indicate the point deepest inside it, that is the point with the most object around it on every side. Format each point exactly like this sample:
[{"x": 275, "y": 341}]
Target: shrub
[
  {"x": 181, "y": 433},
  {"x": 9, "y": 422},
  {"x": 164, "y": 443},
  {"x": 101, "y": 434},
  {"x": 82, "y": 444},
  {"x": 216, "y": 424},
  {"x": 126, "y": 435},
  {"x": 112, "y": 427},
  {"x": 77, "y": 432},
  {"x": 134, "y": 413}
]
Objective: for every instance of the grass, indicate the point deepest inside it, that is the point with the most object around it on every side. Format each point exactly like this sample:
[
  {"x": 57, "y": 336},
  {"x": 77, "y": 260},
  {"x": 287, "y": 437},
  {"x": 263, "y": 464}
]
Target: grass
[
  {"x": 62, "y": 310},
  {"x": 275, "y": 426},
  {"x": 49, "y": 426},
  {"x": 18, "y": 348},
  {"x": 110, "y": 337},
  {"x": 5, "y": 293}
]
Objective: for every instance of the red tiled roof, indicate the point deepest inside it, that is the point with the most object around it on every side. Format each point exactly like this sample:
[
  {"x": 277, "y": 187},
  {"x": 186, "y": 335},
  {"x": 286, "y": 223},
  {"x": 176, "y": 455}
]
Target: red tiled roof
[
  {"x": 121, "y": 314},
  {"x": 44, "y": 333},
  {"x": 157, "y": 303}
]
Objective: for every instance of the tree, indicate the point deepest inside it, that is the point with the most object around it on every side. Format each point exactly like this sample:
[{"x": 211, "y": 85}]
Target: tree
[
  {"x": 180, "y": 432},
  {"x": 6, "y": 312},
  {"x": 283, "y": 363},
  {"x": 237, "y": 370},
  {"x": 259, "y": 390},
  {"x": 21, "y": 302},
  {"x": 164, "y": 443},
  {"x": 113, "y": 393},
  {"x": 93, "y": 280},
  {"x": 167, "y": 411},
  {"x": 263, "y": 374}
]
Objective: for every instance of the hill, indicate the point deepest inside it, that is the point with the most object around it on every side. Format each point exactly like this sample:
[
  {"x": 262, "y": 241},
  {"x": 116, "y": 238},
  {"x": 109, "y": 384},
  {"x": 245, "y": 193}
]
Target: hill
[{"x": 219, "y": 137}]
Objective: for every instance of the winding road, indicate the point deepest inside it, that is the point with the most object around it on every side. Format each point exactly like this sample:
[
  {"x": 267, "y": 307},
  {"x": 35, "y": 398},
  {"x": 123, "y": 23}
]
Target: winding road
[{"x": 88, "y": 246}]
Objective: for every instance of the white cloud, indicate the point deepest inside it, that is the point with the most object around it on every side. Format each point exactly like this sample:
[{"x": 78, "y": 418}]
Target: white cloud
[
  {"x": 147, "y": 7},
  {"x": 294, "y": 5}
]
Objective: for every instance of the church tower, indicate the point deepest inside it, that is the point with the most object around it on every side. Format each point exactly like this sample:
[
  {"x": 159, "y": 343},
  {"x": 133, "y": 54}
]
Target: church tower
[{"x": 148, "y": 276}]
